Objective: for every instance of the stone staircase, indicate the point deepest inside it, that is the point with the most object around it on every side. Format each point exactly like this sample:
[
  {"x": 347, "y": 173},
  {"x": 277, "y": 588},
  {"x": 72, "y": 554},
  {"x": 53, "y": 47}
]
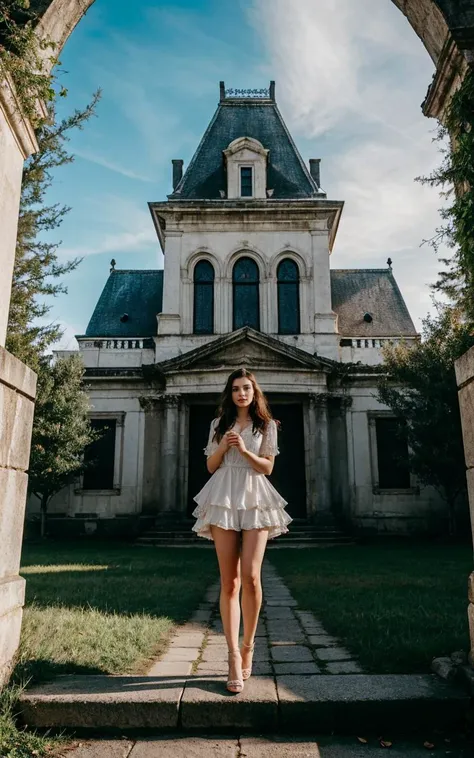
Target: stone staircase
[{"x": 169, "y": 532}]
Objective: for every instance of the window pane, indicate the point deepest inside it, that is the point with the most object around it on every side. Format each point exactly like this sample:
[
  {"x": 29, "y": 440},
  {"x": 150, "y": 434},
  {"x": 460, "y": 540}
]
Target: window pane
[
  {"x": 392, "y": 454},
  {"x": 204, "y": 272},
  {"x": 102, "y": 454},
  {"x": 246, "y": 306},
  {"x": 246, "y": 189},
  {"x": 203, "y": 321},
  {"x": 288, "y": 308},
  {"x": 203, "y": 308},
  {"x": 287, "y": 271},
  {"x": 245, "y": 271}
]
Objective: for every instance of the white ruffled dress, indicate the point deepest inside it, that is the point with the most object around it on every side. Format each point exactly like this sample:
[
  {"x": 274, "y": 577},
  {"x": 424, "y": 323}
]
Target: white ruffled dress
[{"x": 238, "y": 497}]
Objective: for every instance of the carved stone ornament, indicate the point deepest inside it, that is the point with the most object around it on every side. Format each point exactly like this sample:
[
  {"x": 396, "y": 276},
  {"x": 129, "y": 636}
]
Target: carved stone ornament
[{"x": 156, "y": 402}]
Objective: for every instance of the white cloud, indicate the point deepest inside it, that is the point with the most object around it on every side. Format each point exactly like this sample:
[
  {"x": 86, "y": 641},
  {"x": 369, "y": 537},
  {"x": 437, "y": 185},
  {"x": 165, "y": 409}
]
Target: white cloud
[{"x": 350, "y": 77}]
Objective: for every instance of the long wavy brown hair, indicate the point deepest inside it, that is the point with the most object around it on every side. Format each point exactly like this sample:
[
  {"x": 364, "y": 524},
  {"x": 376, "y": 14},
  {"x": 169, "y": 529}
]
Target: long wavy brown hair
[{"x": 259, "y": 411}]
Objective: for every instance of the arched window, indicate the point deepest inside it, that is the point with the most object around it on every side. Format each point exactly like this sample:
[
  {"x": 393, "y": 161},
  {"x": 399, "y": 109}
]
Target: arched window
[
  {"x": 245, "y": 280},
  {"x": 288, "y": 297},
  {"x": 203, "y": 322}
]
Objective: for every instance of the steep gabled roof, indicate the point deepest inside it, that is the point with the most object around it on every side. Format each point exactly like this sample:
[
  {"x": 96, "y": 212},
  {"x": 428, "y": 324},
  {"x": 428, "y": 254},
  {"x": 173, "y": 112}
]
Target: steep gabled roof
[
  {"x": 235, "y": 117},
  {"x": 139, "y": 294},
  {"x": 375, "y": 291}
]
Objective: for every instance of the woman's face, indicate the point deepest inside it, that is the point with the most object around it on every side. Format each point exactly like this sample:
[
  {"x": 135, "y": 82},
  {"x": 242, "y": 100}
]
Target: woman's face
[{"x": 242, "y": 392}]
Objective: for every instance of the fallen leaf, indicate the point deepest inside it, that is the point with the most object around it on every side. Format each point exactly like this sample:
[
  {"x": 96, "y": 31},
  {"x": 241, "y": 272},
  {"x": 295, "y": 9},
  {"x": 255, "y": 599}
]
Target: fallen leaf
[
  {"x": 363, "y": 740},
  {"x": 428, "y": 745},
  {"x": 385, "y": 743}
]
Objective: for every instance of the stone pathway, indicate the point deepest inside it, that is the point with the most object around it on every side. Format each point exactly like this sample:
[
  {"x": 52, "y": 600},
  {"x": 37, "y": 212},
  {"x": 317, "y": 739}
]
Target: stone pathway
[{"x": 289, "y": 641}]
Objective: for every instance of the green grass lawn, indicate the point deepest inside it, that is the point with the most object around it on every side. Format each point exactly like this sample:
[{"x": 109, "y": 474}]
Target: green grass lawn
[
  {"x": 395, "y": 607},
  {"x": 105, "y": 607}
]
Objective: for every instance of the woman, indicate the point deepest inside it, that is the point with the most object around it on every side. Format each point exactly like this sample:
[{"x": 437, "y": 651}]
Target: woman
[{"x": 238, "y": 500}]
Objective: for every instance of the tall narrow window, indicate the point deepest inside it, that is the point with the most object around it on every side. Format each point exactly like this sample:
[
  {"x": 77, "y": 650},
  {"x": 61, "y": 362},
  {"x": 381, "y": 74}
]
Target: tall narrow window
[
  {"x": 246, "y": 181},
  {"x": 203, "y": 320},
  {"x": 392, "y": 454},
  {"x": 288, "y": 297},
  {"x": 246, "y": 305},
  {"x": 99, "y": 456}
]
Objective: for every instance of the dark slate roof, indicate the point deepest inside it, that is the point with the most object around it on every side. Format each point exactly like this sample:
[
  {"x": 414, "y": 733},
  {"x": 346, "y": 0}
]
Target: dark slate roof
[
  {"x": 375, "y": 291},
  {"x": 287, "y": 174},
  {"x": 138, "y": 293}
]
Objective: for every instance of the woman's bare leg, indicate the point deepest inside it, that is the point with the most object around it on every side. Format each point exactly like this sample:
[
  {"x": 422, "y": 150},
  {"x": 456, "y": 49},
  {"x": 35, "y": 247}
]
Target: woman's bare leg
[
  {"x": 254, "y": 542},
  {"x": 227, "y": 542}
]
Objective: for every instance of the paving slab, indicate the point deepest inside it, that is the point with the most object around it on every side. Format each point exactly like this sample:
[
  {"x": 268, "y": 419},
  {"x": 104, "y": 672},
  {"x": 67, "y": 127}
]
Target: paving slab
[
  {"x": 291, "y": 653},
  {"x": 216, "y": 639},
  {"x": 279, "y": 612},
  {"x": 171, "y": 668},
  {"x": 263, "y": 747},
  {"x": 215, "y": 653},
  {"x": 180, "y": 654},
  {"x": 201, "y": 616},
  {"x": 207, "y": 704},
  {"x": 98, "y": 749},
  {"x": 332, "y": 654},
  {"x": 297, "y": 667},
  {"x": 353, "y": 703},
  {"x": 344, "y": 667},
  {"x": 280, "y": 638},
  {"x": 104, "y": 702},
  {"x": 187, "y": 640},
  {"x": 186, "y": 747},
  {"x": 281, "y": 746},
  {"x": 284, "y": 602},
  {"x": 322, "y": 640}
]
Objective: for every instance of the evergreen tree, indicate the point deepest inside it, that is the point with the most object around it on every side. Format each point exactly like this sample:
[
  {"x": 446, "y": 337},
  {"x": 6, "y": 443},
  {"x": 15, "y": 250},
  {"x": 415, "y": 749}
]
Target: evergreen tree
[
  {"x": 61, "y": 429},
  {"x": 37, "y": 269},
  {"x": 420, "y": 387}
]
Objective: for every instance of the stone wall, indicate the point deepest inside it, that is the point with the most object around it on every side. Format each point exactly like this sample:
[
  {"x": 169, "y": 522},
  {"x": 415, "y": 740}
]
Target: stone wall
[
  {"x": 465, "y": 381},
  {"x": 17, "y": 393}
]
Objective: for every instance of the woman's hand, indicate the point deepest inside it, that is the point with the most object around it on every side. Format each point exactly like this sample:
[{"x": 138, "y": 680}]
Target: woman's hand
[
  {"x": 224, "y": 444},
  {"x": 235, "y": 440}
]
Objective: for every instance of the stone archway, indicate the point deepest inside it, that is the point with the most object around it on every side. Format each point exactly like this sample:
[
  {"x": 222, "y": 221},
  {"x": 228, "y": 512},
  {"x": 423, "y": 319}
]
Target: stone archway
[{"x": 446, "y": 29}]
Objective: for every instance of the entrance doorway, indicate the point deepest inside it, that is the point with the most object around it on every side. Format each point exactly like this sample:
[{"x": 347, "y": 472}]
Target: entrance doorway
[{"x": 288, "y": 475}]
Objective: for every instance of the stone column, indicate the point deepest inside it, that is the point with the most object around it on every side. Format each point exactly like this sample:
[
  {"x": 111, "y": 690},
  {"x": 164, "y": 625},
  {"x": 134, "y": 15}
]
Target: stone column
[
  {"x": 17, "y": 382},
  {"x": 170, "y": 454},
  {"x": 17, "y": 394},
  {"x": 319, "y": 479},
  {"x": 465, "y": 380},
  {"x": 340, "y": 493},
  {"x": 169, "y": 321}
]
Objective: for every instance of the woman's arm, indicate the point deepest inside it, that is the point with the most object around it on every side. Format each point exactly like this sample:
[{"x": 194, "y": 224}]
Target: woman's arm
[
  {"x": 214, "y": 461},
  {"x": 262, "y": 464}
]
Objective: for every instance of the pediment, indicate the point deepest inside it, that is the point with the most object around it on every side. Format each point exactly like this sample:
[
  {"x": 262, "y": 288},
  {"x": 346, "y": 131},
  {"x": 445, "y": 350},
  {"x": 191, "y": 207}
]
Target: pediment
[{"x": 248, "y": 348}]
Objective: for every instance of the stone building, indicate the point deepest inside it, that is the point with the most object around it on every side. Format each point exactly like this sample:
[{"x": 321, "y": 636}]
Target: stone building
[{"x": 247, "y": 234}]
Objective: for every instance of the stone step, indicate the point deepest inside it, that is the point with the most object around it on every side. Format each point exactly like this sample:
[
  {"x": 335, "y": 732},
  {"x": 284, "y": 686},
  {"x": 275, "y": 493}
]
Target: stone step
[{"x": 323, "y": 704}]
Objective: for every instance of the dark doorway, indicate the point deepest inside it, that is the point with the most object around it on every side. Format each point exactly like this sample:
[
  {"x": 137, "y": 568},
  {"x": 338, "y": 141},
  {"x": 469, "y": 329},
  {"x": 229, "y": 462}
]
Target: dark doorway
[
  {"x": 288, "y": 475},
  {"x": 200, "y": 417}
]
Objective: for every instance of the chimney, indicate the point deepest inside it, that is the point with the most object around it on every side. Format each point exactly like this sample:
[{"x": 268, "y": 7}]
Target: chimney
[
  {"x": 315, "y": 170},
  {"x": 272, "y": 91},
  {"x": 221, "y": 91},
  {"x": 177, "y": 171}
]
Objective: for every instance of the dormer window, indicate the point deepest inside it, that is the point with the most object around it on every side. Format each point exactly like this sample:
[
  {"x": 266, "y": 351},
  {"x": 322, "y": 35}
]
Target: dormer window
[
  {"x": 246, "y": 181},
  {"x": 246, "y": 163}
]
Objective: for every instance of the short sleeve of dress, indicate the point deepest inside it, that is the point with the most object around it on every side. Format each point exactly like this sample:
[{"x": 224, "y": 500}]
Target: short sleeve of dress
[
  {"x": 212, "y": 445},
  {"x": 270, "y": 440}
]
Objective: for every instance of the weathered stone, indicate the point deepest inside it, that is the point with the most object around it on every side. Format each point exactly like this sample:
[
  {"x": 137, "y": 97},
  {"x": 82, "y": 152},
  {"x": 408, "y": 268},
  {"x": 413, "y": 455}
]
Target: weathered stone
[
  {"x": 216, "y": 639},
  {"x": 190, "y": 747},
  {"x": 215, "y": 653},
  {"x": 282, "y": 602},
  {"x": 470, "y": 587},
  {"x": 291, "y": 653},
  {"x": 459, "y": 657},
  {"x": 296, "y": 667},
  {"x": 171, "y": 668},
  {"x": 354, "y": 703},
  {"x": 187, "y": 640},
  {"x": 279, "y": 612},
  {"x": 332, "y": 654},
  {"x": 283, "y": 747},
  {"x": 100, "y": 702},
  {"x": 180, "y": 654},
  {"x": 322, "y": 640},
  {"x": 280, "y": 638},
  {"x": 207, "y": 704},
  {"x": 343, "y": 667},
  {"x": 99, "y": 749},
  {"x": 444, "y": 667}
]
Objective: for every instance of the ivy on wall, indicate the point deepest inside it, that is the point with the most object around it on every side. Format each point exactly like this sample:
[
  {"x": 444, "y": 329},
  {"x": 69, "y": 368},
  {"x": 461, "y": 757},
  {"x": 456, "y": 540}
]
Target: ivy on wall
[
  {"x": 27, "y": 59},
  {"x": 455, "y": 178}
]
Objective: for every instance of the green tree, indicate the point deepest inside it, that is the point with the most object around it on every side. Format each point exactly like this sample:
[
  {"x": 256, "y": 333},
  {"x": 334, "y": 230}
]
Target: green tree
[
  {"x": 420, "y": 387},
  {"x": 61, "y": 429},
  {"x": 37, "y": 270}
]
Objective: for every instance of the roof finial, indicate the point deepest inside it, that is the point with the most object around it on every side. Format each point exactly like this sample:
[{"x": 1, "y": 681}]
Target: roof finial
[
  {"x": 112, "y": 265},
  {"x": 389, "y": 263}
]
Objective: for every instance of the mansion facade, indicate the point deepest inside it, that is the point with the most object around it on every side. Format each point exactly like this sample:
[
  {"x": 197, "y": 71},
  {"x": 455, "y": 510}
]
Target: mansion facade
[{"x": 247, "y": 234}]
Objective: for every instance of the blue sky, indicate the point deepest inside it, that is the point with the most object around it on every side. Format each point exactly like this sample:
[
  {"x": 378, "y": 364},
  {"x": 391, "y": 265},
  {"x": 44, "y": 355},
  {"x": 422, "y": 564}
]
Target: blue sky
[{"x": 350, "y": 77}]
